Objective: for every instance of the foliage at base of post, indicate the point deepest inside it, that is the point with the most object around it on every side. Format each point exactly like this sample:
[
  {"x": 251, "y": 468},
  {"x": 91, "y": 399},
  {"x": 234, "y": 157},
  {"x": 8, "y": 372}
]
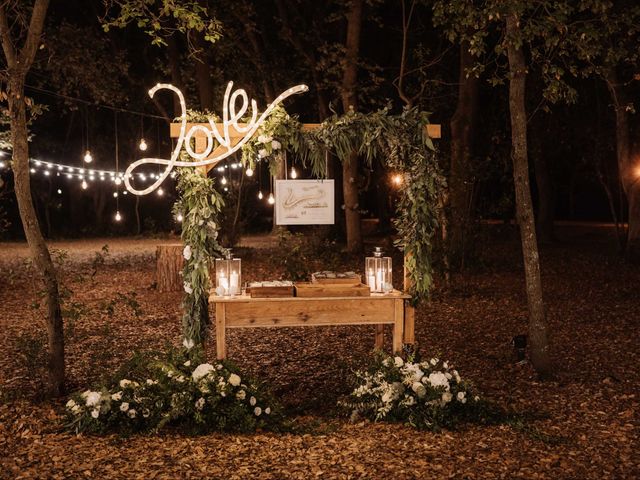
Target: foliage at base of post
[
  {"x": 426, "y": 394},
  {"x": 200, "y": 205},
  {"x": 174, "y": 389}
]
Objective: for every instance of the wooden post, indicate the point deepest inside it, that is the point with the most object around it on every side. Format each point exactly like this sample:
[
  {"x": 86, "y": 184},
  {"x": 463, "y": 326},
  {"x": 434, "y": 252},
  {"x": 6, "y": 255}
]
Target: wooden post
[
  {"x": 409, "y": 311},
  {"x": 169, "y": 263},
  {"x": 398, "y": 326},
  {"x": 221, "y": 325}
]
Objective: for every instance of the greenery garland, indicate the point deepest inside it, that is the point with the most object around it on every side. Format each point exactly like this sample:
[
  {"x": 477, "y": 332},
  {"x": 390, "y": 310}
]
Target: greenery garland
[{"x": 200, "y": 205}]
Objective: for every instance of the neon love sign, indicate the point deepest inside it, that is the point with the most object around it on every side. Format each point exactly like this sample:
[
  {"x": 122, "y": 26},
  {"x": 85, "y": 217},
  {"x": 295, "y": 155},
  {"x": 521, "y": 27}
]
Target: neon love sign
[{"x": 231, "y": 115}]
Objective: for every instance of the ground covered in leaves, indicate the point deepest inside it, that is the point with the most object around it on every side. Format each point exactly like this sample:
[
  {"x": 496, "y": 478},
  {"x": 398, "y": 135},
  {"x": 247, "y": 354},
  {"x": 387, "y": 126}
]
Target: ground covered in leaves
[{"x": 581, "y": 425}]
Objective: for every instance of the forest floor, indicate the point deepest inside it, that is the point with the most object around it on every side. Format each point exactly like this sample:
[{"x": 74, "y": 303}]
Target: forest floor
[{"x": 583, "y": 424}]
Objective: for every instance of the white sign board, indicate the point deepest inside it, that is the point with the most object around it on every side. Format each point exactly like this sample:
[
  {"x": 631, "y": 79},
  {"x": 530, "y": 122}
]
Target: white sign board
[{"x": 304, "y": 202}]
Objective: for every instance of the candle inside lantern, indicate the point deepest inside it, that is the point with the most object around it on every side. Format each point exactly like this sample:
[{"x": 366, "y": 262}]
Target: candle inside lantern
[
  {"x": 371, "y": 280},
  {"x": 379, "y": 279},
  {"x": 224, "y": 283},
  {"x": 233, "y": 284}
]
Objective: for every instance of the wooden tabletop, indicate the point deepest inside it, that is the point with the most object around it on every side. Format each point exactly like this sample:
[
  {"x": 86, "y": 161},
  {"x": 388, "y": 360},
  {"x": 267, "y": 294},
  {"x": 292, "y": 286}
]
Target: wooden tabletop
[{"x": 395, "y": 294}]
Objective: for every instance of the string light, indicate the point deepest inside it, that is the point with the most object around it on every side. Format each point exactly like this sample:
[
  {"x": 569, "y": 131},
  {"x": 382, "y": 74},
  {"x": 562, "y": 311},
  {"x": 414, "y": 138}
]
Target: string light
[
  {"x": 397, "y": 179},
  {"x": 223, "y": 181},
  {"x": 143, "y": 145},
  {"x": 160, "y": 192},
  {"x": 115, "y": 194},
  {"x": 249, "y": 172},
  {"x": 260, "y": 195},
  {"x": 87, "y": 157},
  {"x": 84, "y": 184},
  {"x": 271, "y": 200},
  {"x": 59, "y": 191},
  {"x": 118, "y": 217},
  {"x": 179, "y": 218},
  {"x": 293, "y": 174}
]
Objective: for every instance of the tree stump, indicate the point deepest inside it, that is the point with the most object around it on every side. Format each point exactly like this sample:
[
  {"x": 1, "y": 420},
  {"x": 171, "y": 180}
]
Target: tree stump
[{"x": 169, "y": 262}]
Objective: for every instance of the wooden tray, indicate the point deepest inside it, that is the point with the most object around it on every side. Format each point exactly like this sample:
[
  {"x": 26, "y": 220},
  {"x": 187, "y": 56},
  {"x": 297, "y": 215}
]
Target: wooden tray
[
  {"x": 355, "y": 280},
  {"x": 306, "y": 289},
  {"x": 270, "y": 292}
]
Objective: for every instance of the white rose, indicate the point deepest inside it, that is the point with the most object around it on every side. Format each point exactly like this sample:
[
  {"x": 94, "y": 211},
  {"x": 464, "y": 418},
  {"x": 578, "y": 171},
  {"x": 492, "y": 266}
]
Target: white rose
[
  {"x": 202, "y": 371},
  {"x": 124, "y": 407},
  {"x": 234, "y": 380},
  {"x": 257, "y": 411},
  {"x": 252, "y": 401},
  {"x": 186, "y": 253},
  {"x": 261, "y": 138},
  {"x": 447, "y": 397},
  {"x": 200, "y": 404},
  {"x": 267, "y": 410},
  {"x": 187, "y": 288},
  {"x": 276, "y": 145},
  {"x": 262, "y": 153},
  {"x": 95, "y": 413},
  {"x": 132, "y": 413},
  {"x": 438, "y": 379},
  {"x": 93, "y": 399},
  {"x": 398, "y": 362},
  {"x": 461, "y": 396},
  {"x": 116, "y": 396},
  {"x": 419, "y": 389}
]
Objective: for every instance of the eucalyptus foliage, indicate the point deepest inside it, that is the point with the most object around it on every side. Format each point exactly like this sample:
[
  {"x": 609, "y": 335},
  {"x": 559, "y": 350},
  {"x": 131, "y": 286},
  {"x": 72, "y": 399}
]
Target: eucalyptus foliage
[
  {"x": 200, "y": 205},
  {"x": 399, "y": 141}
]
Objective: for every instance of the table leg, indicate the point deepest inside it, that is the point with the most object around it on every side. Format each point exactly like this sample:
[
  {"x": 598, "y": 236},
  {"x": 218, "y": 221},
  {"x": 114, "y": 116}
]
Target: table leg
[
  {"x": 398, "y": 325},
  {"x": 379, "y": 336},
  {"x": 221, "y": 348},
  {"x": 409, "y": 324}
]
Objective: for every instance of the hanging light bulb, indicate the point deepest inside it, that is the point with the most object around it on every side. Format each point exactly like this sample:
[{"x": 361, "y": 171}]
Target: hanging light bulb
[
  {"x": 271, "y": 200},
  {"x": 59, "y": 191},
  {"x": 87, "y": 157},
  {"x": 84, "y": 184},
  {"x": 115, "y": 194},
  {"x": 117, "y": 181},
  {"x": 249, "y": 172},
  {"x": 260, "y": 195},
  {"x": 179, "y": 218},
  {"x": 223, "y": 181},
  {"x": 143, "y": 145},
  {"x": 293, "y": 174},
  {"x": 118, "y": 217},
  {"x": 160, "y": 192}
]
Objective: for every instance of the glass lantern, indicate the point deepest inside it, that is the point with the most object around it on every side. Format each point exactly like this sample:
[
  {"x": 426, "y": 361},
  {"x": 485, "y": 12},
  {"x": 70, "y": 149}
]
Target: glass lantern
[
  {"x": 378, "y": 272},
  {"x": 228, "y": 276}
]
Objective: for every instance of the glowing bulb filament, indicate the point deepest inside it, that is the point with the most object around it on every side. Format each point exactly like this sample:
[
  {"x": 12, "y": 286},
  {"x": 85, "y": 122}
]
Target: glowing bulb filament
[{"x": 87, "y": 157}]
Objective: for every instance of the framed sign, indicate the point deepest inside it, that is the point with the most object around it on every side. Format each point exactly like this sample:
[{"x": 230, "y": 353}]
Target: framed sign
[{"x": 304, "y": 202}]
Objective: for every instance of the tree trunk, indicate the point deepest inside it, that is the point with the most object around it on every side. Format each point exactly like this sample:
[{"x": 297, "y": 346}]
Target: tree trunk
[
  {"x": 629, "y": 175},
  {"x": 19, "y": 63},
  {"x": 203, "y": 73},
  {"x": 537, "y": 322},
  {"x": 169, "y": 263},
  {"x": 174, "y": 66},
  {"x": 463, "y": 127},
  {"x": 546, "y": 198},
  {"x": 350, "y": 101}
]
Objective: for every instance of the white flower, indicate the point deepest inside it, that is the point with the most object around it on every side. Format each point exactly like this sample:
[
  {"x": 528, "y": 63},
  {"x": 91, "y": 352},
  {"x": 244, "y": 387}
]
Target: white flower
[
  {"x": 146, "y": 413},
  {"x": 267, "y": 410},
  {"x": 187, "y": 363},
  {"x": 434, "y": 361},
  {"x": 70, "y": 404},
  {"x": 93, "y": 398},
  {"x": 445, "y": 365},
  {"x": 95, "y": 413},
  {"x": 461, "y": 397},
  {"x": 149, "y": 381},
  {"x": 124, "y": 383},
  {"x": 252, "y": 401},
  {"x": 419, "y": 389},
  {"x": 398, "y": 362},
  {"x": 200, "y": 403},
  {"x": 188, "y": 344},
  {"x": 438, "y": 379},
  {"x": 276, "y": 145},
  {"x": 124, "y": 406},
  {"x": 187, "y": 288},
  {"x": 257, "y": 411},
  {"x": 476, "y": 398},
  {"x": 186, "y": 253},
  {"x": 447, "y": 397},
  {"x": 448, "y": 375},
  {"x": 241, "y": 395},
  {"x": 262, "y": 153},
  {"x": 132, "y": 413},
  {"x": 202, "y": 371},
  {"x": 116, "y": 396},
  {"x": 457, "y": 376},
  {"x": 234, "y": 380}
]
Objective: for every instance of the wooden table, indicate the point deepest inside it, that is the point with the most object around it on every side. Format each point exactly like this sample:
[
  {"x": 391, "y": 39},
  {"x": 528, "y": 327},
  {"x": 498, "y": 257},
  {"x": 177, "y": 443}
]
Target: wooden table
[{"x": 242, "y": 311}]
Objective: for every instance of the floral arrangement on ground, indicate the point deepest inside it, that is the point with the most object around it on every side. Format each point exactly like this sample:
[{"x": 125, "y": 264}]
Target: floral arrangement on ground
[
  {"x": 176, "y": 388},
  {"x": 426, "y": 394}
]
